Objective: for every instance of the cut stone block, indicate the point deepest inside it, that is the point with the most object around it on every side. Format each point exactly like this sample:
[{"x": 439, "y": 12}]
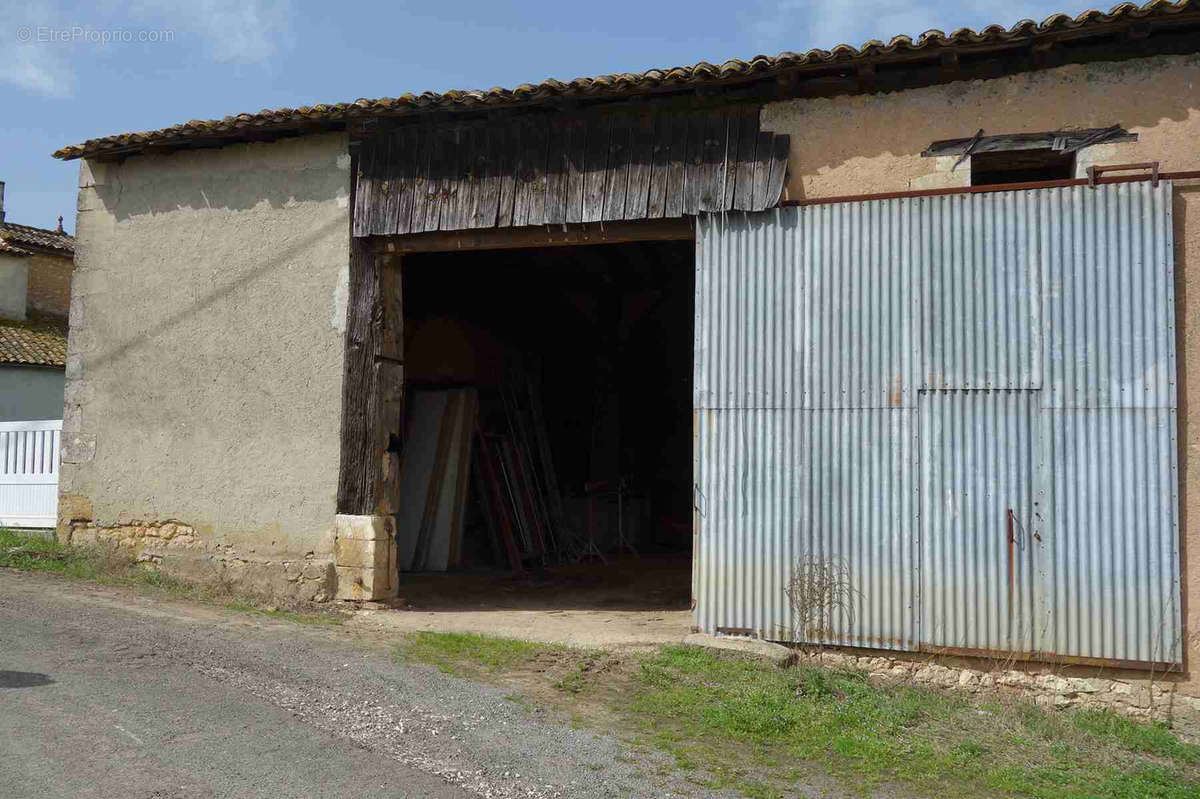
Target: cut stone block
[
  {"x": 364, "y": 551},
  {"x": 358, "y": 583},
  {"x": 371, "y": 554},
  {"x": 364, "y": 528}
]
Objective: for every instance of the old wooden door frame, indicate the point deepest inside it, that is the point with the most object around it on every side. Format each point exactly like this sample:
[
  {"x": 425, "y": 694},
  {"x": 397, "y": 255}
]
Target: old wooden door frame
[{"x": 373, "y": 380}]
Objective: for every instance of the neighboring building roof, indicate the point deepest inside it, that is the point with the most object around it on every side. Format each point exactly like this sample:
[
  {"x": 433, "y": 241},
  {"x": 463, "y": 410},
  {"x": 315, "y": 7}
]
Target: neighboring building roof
[
  {"x": 39, "y": 341},
  {"x": 23, "y": 236},
  {"x": 283, "y": 121},
  {"x": 8, "y": 249}
]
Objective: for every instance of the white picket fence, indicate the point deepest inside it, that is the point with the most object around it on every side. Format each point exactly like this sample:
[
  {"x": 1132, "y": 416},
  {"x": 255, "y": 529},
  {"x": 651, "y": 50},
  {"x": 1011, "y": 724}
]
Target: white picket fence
[{"x": 29, "y": 457}]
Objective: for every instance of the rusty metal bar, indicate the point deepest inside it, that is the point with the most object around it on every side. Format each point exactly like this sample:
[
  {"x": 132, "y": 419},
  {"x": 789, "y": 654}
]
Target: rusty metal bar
[
  {"x": 1193, "y": 174},
  {"x": 1094, "y": 172},
  {"x": 1052, "y": 658}
]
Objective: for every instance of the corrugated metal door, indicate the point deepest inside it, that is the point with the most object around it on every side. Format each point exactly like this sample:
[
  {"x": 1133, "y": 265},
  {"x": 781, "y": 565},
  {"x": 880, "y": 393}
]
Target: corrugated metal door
[
  {"x": 805, "y": 425},
  {"x": 979, "y": 558},
  {"x": 878, "y": 383}
]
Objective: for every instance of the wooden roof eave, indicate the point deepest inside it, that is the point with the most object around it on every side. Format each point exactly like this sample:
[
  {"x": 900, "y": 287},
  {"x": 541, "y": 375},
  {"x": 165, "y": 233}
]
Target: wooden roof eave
[{"x": 815, "y": 79}]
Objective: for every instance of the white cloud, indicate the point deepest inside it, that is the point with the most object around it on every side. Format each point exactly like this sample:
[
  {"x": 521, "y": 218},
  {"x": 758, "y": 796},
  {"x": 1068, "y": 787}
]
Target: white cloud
[
  {"x": 230, "y": 31},
  {"x": 226, "y": 32},
  {"x": 38, "y": 72},
  {"x": 805, "y": 24},
  {"x": 30, "y": 65}
]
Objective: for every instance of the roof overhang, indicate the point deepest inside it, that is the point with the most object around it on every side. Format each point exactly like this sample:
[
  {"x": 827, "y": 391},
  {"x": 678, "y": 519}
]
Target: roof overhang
[{"x": 1127, "y": 31}]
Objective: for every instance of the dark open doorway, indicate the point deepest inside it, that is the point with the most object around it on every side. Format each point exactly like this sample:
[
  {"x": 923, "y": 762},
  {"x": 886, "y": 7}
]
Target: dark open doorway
[{"x": 572, "y": 368}]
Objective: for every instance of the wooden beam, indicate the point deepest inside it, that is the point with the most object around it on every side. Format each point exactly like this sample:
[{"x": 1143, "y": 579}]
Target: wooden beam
[
  {"x": 866, "y": 77},
  {"x": 949, "y": 61},
  {"x": 360, "y": 385},
  {"x": 1042, "y": 54},
  {"x": 372, "y": 384},
  {"x": 540, "y": 236}
]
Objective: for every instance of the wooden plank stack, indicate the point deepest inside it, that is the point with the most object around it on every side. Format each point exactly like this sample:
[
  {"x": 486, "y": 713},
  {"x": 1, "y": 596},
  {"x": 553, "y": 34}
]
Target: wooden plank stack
[
  {"x": 507, "y": 469},
  {"x": 434, "y": 479}
]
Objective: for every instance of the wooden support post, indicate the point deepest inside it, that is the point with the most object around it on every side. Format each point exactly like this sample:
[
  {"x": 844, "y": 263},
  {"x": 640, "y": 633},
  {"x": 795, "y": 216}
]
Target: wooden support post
[
  {"x": 373, "y": 384},
  {"x": 360, "y": 391},
  {"x": 390, "y": 361},
  {"x": 372, "y": 423}
]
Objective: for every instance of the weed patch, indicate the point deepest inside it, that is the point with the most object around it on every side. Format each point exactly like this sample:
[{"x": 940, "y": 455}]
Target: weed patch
[
  {"x": 451, "y": 652},
  {"x": 767, "y": 731},
  {"x": 1153, "y": 738},
  {"x": 711, "y": 708}
]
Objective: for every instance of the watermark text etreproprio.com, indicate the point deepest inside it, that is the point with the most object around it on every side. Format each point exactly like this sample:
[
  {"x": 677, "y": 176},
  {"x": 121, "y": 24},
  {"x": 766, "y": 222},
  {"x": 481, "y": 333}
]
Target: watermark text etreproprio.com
[{"x": 45, "y": 34}]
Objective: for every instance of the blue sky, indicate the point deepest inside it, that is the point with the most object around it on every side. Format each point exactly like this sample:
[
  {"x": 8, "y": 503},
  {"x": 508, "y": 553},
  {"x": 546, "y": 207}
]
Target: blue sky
[{"x": 209, "y": 58}]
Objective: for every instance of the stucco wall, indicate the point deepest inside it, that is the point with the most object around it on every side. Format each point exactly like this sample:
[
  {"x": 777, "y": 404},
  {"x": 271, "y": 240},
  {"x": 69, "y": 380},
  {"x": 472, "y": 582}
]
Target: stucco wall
[
  {"x": 869, "y": 144},
  {"x": 50, "y": 283},
  {"x": 872, "y": 143},
  {"x": 29, "y": 393},
  {"x": 205, "y": 354},
  {"x": 14, "y": 285}
]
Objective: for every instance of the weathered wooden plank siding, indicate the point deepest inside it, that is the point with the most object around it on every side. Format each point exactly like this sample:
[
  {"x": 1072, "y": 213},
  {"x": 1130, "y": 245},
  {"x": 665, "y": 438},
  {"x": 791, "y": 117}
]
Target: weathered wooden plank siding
[
  {"x": 676, "y": 142},
  {"x": 595, "y": 169},
  {"x": 562, "y": 168}
]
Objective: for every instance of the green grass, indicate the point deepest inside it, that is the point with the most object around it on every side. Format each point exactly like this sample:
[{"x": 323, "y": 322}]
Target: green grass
[
  {"x": 1153, "y": 738},
  {"x": 32, "y": 552},
  {"x": 113, "y": 566},
  {"x": 737, "y": 714},
  {"x": 575, "y": 681},
  {"x": 451, "y": 651},
  {"x": 767, "y": 731}
]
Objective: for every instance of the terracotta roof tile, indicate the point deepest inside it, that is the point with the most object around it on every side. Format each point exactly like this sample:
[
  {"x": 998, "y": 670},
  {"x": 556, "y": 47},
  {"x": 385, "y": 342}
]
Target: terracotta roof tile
[
  {"x": 617, "y": 85},
  {"x": 8, "y": 249},
  {"x": 40, "y": 341},
  {"x": 41, "y": 238}
]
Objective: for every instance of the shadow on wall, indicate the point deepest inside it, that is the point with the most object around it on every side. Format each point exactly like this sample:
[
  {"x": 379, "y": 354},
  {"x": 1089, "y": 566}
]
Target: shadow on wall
[
  {"x": 847, "y": 132},
  {"x": 1187, "y": 330},
  {"x": 236, "y": 177},
  {"x": 281, "y": 258}
]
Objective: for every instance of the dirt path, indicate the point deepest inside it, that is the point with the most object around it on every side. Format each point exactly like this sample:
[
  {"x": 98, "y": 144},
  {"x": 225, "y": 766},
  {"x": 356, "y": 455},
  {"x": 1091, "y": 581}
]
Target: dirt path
[
  {"x": 583, "y": 628},
  {"x": 104, "y": 692}
]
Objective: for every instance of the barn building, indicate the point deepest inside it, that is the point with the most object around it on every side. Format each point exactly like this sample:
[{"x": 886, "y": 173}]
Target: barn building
[{"x": 890, "y": 346}]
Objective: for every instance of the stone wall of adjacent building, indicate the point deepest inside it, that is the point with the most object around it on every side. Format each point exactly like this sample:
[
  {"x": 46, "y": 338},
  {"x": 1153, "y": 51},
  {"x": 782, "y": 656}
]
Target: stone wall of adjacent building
[
  {"x": 205, "y": 361},
  {"x": 872, "y": 143},
  {"x": 50, "y": 283}
]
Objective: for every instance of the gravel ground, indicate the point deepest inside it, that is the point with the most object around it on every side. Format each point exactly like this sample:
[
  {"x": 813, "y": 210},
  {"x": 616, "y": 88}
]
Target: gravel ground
[{"x": 107, "y": 693}]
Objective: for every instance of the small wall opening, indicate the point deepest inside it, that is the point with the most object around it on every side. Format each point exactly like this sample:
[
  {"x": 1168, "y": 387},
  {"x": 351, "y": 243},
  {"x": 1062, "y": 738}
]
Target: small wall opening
[
  {"x": 1021, "y": 166},
  {"x": 547, "y": 459}
]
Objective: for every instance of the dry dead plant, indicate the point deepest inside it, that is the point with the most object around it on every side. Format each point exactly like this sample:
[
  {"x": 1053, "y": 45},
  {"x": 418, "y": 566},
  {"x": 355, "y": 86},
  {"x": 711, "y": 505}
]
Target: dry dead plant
[{"x": 819, "y": 591}]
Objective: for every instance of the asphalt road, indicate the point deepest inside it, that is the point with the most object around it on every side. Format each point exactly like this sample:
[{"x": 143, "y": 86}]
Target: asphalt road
[{"x": 107, "y": 693}]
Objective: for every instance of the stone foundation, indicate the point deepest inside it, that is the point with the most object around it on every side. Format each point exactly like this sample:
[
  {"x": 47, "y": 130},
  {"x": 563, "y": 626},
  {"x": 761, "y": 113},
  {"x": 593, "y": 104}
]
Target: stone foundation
[
  {"x": 177, "y": 550},
  {"x": 364, "y": 550},
  {"x": 1131, "y": 693}
]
